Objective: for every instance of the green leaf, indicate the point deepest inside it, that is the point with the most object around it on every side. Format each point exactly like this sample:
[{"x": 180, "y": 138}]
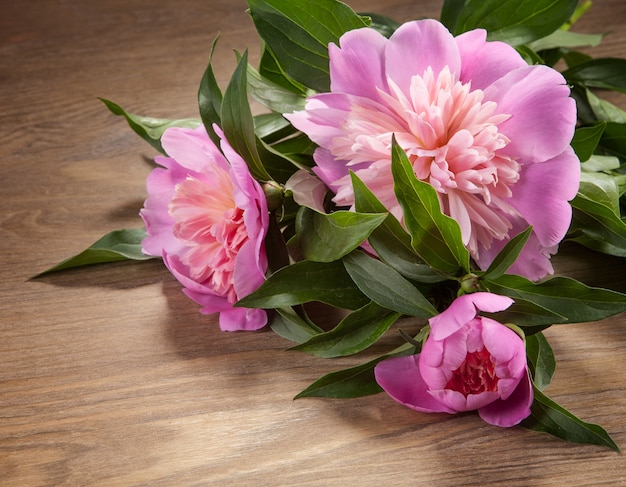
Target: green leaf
[
  {"x": 605, "y": 111},
  {"x": 148, "y": 128},
  {"x": 508, "y": 255},
  {"x": 304, "y": 282},
  {"x": 515, "y": 21},
  {"x": 271, "y": 70},
  {"x": 572, "y": 300},
  {"x": 529, "y": 316},
  {"x": 450, "y": 12},
  {"x": 114, "y": 246},
  {"x": 357, "y": 331},
  {"x": 606, "y": 73},
  {"x": 586, "y": 140},
  {"x": 564, "y": 38},
  {"x": 288, "y": 324},
  {"x": 390, "y": 241},
  {"x": 210, "y": 99},
  {"x": 356, "y": 381},
  {"x": 548, "y": 417},
  {"x": 540, "y": 359},
  {"x": 264, "y": 163},
  {"x": 614, "y": 139},
  {"x": 273, "y": 96},
  {"x": 434, "y": 236},
  {"x": 298, "y": 34},
  {"x": 237, "y": 121},
  {"x": 596, "y": 221},
  {"x": 326, "y": 237},
  {"x": 272, "y": 126},
  {"x": 387, "y": 287}
]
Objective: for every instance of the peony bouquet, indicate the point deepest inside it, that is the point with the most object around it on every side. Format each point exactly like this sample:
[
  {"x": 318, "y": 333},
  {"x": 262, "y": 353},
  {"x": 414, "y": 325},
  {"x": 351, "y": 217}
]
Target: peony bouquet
[{"x": 414, "y": 177}]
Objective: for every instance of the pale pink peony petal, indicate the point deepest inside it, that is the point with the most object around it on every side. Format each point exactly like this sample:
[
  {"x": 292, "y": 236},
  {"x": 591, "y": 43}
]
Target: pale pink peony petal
[
  {"x": 353, "y": 73},
  {"x": 415, "y": 46},
  {"x": 543, "y": 116},
  {"x": 484, "y": 62},
  {"x": 542, "y": 196}
]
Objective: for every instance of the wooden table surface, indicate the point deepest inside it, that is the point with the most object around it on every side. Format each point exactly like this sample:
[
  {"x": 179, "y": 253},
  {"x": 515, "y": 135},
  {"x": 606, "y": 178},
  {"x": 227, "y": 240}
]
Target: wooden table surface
[{"x": 110, "y": 376}]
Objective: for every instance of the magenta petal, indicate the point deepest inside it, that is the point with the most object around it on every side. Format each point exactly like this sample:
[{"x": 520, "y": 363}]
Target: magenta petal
[
  {"x": 512, "y": 411},
  {"x": 463, "y": 309},
  {"x": 484, "y": 62},
  {"x": 542, "y": 196},
  {"x": 415, "y": 46},
  {"x": 400, "y": 378},
  {"x": 543, "y": 115},
  {"x": 353, "y": 72}
]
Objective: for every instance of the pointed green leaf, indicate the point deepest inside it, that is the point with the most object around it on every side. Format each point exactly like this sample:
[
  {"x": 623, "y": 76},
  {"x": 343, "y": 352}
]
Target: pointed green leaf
[
  {"x": 390, "y": 241},
  {"x": 210, "y": 99},
  {"x": 614, "y": 139},
  {"x": 540, "y": 359},
  {"x": 288, "y": 324},
  {"x": 327, "y": 237},
  {"x": 548, "y": 417},
  {"x": 357, "y": 331},
  {"x": 435, "y": 236},
  {"x": 515, "y": 21},
  {"x": 529, "y": 316},
  {"x": 586, "y": 140},
  {"x": 564, "y": 296},
  {"x": 450, "y": 12},
  {"x": 273, "y": 96},
  {"x": 381, "y": 23},
  {"x": 356, "y": 381},
  {"x": 387, "y": 287},
  {"x": 114, "y": 246},
  {"x": 148, "y": 128},
  {"x": 606, "y": 73},
  {"x": 565, "y": 38},
  {"x": 298, "y": 34},
  {"x": 605, "y": 111},
  {"x": 508, "y": 255},
  {"x": 304, "y": 282}
]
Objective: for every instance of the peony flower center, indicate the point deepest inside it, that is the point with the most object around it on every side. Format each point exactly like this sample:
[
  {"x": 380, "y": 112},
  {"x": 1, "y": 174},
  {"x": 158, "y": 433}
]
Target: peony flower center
[
  {"x": 476, "y": 374},
  {"x": 212, "y": 229},
  {"x": 450, "y": 134}
]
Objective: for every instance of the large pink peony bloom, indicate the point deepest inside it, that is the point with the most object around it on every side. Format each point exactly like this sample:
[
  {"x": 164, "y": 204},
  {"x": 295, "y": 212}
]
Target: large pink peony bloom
[
  {"x": 488, "y": 132},
  {"x": 468, "y": 362},
  {"x": 207, "y": 217}
]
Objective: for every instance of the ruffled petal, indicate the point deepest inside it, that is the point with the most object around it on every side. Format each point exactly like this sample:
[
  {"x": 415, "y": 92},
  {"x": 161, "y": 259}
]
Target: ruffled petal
[
  {"x": 400, "y": 378},
  {"x": 415, "y": 46},
  {"x": 357, "y": 67},
  {"x": 191, "y": 148},
  {"x": 543, "y": 115},
  {"x": 543, "y": 193},
  {"x": 484, "y": 62}
]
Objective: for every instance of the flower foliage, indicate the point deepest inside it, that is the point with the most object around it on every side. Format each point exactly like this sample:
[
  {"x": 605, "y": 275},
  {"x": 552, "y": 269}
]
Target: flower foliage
[{"x": 423, "y": 172}]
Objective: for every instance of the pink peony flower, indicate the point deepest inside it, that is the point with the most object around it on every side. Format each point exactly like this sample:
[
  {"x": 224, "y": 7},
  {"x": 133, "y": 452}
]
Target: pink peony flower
[
  {"x": 468, "y": 362},
  {"x": 207, "y": 217},
  {"x": 490, "y": 133}
]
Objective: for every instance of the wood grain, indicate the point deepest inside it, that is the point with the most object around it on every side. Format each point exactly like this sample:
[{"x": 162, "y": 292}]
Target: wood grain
[{"x": 110, "y": 376}]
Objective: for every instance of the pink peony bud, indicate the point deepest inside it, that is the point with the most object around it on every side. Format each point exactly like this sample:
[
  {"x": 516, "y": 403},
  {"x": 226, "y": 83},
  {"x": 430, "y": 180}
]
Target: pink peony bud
[{"x": 468, "y": 362}]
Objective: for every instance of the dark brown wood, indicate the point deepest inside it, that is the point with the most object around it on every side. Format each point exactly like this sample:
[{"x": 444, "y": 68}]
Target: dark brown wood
[{"x": 110, "y": 376}]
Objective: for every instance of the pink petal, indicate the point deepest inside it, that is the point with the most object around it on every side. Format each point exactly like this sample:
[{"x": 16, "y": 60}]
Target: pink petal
[
  {"x": 322, "y": 117},
  {"x": 464, "y": 309},
  {"x": 191, "y": 148},
  {"x": 484, "y": 62},
  {"x": 352, "y": 71},
  {"x": 249, "y": 269},
  {"x": 400, "y": 378},
  {"x": 417, "y": 45},
  {"x": 543, "y": 116},
  {"x": 460, "y": 403},
  {"x": 542, "y": 196},
  {"x": 512, "y": 411},
  {"x": 242, "y": 319}
]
